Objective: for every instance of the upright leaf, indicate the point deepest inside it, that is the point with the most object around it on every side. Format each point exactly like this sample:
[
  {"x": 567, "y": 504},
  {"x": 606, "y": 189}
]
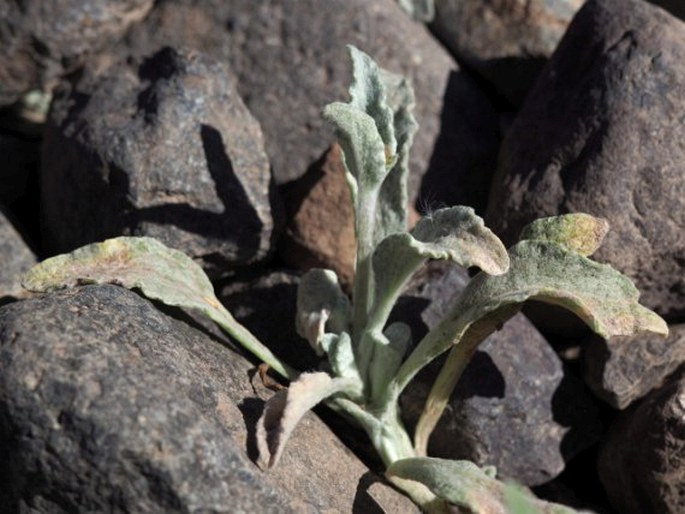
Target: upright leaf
[{"x": 160, "y": 273}]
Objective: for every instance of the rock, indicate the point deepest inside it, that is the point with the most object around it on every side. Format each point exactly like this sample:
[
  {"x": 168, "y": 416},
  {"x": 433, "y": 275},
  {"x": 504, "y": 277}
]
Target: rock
[
  {"x": 602, "y": 133},
  {"x": 320, "y": 226},
  {"x": 507, "y": 43},
  {"x": 290, "y": 61},
  {"x": 108, "y": 405},
  {"x": 15, "y": 259},
  {"x": 642, "y": 463},
  {"x": 516, "y": 406},
  {"x": 622, "y": 369},
  {"x": 42, "y": 41},
  {"x": 275, "y": 293},
  {"x": 162, "y": 147}
]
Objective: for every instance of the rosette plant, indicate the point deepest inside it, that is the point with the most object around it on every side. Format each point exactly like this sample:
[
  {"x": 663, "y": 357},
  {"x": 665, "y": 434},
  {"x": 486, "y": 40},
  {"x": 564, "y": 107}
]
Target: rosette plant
[{"x": 367, "y": 362}]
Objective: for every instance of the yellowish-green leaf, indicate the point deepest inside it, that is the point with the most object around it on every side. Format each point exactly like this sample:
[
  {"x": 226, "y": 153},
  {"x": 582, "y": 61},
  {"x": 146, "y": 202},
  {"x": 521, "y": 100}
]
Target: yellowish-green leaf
[
  {"x": 158, "y": 272},
  {"x": 579, "y": 232}
]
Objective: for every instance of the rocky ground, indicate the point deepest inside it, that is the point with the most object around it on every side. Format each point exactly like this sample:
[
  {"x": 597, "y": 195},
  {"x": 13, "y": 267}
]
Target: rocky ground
[{"x": 198, "y": 122}]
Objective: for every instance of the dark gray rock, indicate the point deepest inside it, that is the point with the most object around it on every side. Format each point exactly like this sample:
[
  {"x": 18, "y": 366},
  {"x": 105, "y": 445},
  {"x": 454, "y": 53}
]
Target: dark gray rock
[
  {"x": 622, "y": 369},
  {"x": 290, "y": 61},
  {"x": 516, "y": 406},
  {"x": 109, "y": 405},
  {"x": 43, "y": 40},
  {"x": 162, "y": 147},
  {"x": 273, "y": 293},
  {"x": 642, "y": 462},
  {"x": 16, "y": 258},
  {"x": 507, "y": 43},
  {"x": 602, "y": 133}
]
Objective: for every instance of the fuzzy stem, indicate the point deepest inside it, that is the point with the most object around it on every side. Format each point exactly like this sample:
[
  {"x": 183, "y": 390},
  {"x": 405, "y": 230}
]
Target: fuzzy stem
[{"x": 440, "y": 393}]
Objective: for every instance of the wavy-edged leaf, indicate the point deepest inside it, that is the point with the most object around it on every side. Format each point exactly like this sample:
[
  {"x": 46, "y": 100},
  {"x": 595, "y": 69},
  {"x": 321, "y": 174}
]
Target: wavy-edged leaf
[
  {"x": 363, "y": 148},
  {"x": 455, "y": 233},
  {"x": 464, "y": 484},
  {"x": 338, "y": 348},
  {"x": 284, "y": 410},
  {"x": 391, "y": 214},
  {"x": 159, "y": 272},
  {"x": 579, "y": 232},
  {"x": 321, "y": 306},
  {"x": 368, "y": 94},
  {"x": 388, "y": 352},
  {"x": 602, "y": 297}
]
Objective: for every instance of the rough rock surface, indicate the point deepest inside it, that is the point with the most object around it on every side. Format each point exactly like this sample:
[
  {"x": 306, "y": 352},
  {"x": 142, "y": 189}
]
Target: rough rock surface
[
  {"x": 320, "y": 227},
  {"x": 15, "y": 259},
  {"x": 602, "y": 133},
  {"x": 642, "y": 463},
  {"x": 622, "y": 369},
  {"x": 516, "y": 407},
  {"x": 40, "y": 40},
  {"x": 290, "y": 61},
  {"x": 162, "y": 147},
  {"x": 506, "y": 42},
  {"x": 108, "y": 405}
]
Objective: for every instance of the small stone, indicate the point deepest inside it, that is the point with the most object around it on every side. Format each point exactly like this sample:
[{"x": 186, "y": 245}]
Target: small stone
[
  {"x": 622, "y": 369},
  {"x": 515, "y": 407},
  {"x": 116, "y": 407},
  {"x": 15, "y": 259},
  {"x": 642, "y": 462},
  {"x": 42, "y": 41},
  {"x": 161, "y": 147},
  {"x": 602, "y": 133},
  {"x": 320, "y": 227}
]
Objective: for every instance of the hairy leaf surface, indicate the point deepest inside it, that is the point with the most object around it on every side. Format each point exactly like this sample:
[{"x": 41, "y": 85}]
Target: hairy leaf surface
[
  {"x": 158, "y": 272},
  {"x": 284, "y": 410}
]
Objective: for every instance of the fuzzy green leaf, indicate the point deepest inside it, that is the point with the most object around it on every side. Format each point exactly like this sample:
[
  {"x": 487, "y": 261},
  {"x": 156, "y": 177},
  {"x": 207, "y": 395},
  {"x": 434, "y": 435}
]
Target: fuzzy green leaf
[
  {"x": 464, "y": 484},
  {"x": 363, "y": 148},
  {"x": 158, "y": 272},
  {"x": 388, "y": 351},
  {"x": 603, "y": 298},
  {"x": 392, "y": 199},
  {"x": 284, "y": 410},
  {"x": 338, "y": 348},
  {"x": 368, "y": 94},
  {"x": 455, "y": 233},
  {"x": 321, "y": 307},
  {"x": 579, "y": 232}
]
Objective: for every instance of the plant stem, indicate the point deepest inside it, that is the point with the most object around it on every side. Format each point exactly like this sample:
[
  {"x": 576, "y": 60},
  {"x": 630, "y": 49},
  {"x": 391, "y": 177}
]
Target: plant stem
[{"x": 440, "y": 393}]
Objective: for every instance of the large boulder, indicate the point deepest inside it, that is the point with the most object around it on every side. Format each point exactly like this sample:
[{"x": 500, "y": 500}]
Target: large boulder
[
  {"x": 109, "y": 405},
  {"x": 622, "y": 369},
  {"x": 642, "y": 462},
  {"x": 516, "y": 406},
  {"x": 290, "y": 60},
  {"x": 506, "y": 43},
  {"x": 602, "y": 133},
  {"x": 42, "y": 40},
  {"x": 163, "y": 147}
]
